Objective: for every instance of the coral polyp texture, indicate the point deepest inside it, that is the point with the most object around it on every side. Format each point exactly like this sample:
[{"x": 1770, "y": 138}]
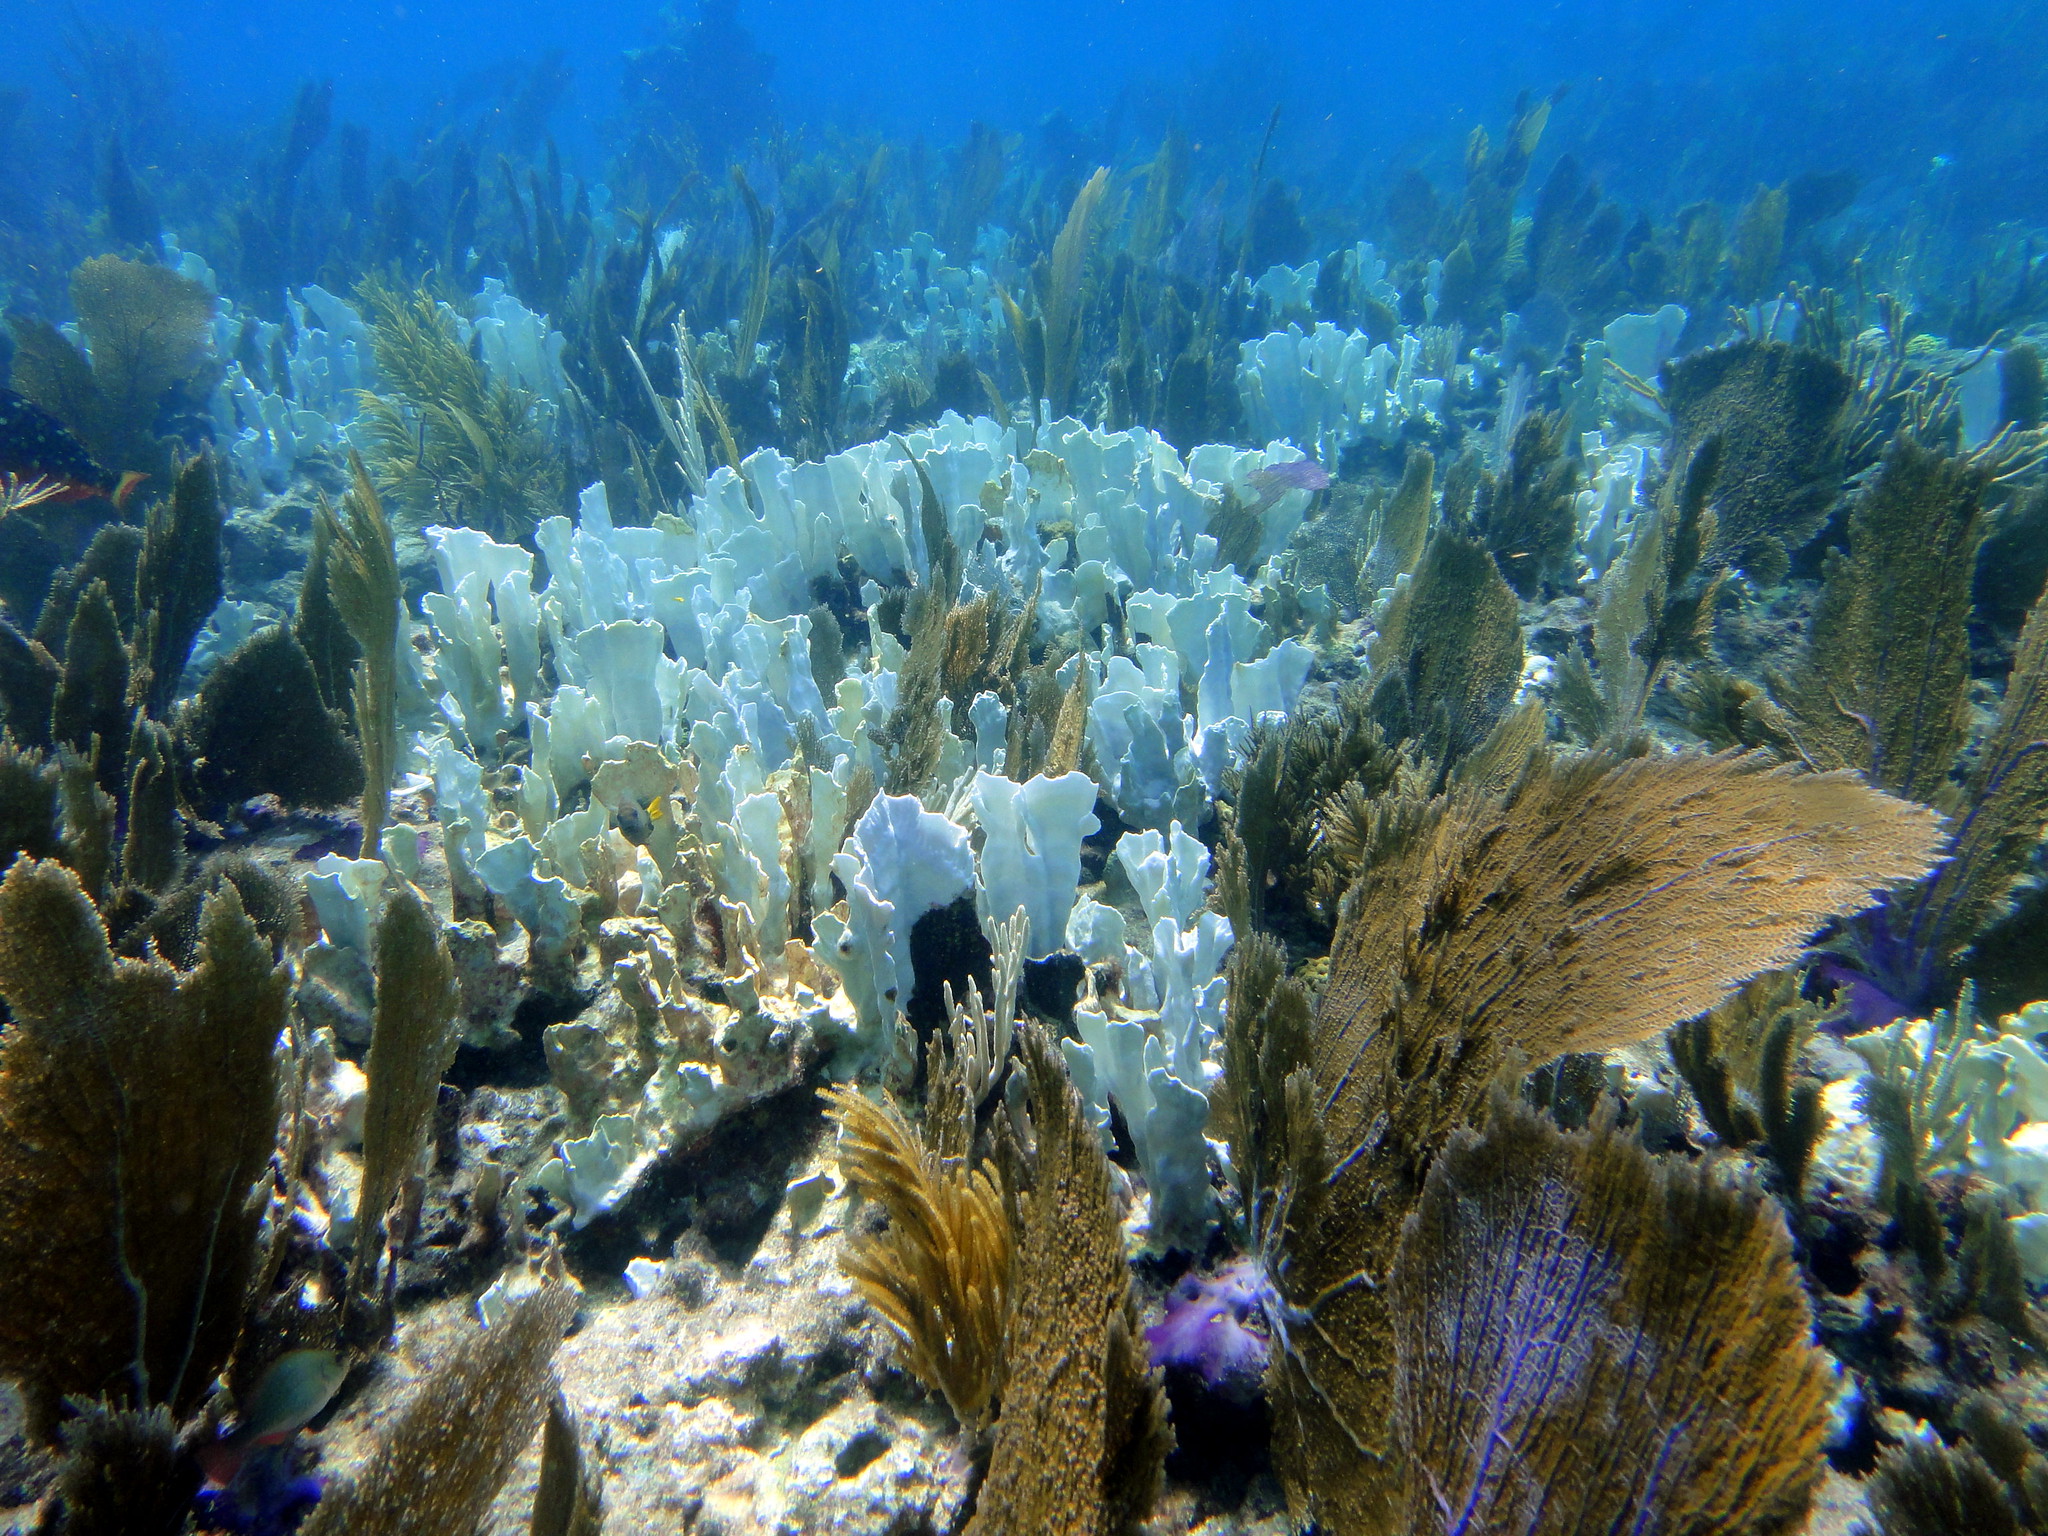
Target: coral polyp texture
[{"x": 720, "y": 818}]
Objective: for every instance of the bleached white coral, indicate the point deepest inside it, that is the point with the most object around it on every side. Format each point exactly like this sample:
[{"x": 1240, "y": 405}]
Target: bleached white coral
[
  {"x": 1154, "y": 1051},
  {"x": 1324, "y": 390},
  {"x": 1030, "y": 854},
  {"x": 683, "y": 805},
  {"x": 1980, "y": 1104}
]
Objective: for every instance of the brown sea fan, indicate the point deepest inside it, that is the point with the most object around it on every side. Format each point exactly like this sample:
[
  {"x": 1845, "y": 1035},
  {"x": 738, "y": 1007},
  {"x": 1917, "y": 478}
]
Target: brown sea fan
[
  {"x": 138, "y": 1109},
  {"x": 1590, "y": 1339},
  {"x": 1599, "y": 901}
]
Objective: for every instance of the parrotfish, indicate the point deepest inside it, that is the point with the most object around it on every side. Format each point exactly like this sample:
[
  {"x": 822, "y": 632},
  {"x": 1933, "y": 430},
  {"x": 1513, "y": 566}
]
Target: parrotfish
[
  {"x": 1276, "y": 480},
  {"x": 288, "y": 1398},
  {"x": 34, "y": 445}
]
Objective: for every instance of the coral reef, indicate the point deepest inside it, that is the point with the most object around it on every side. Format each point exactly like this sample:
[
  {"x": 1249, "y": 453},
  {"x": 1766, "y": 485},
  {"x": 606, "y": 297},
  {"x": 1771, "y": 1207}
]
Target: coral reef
[{"x": 727, "y": 827}]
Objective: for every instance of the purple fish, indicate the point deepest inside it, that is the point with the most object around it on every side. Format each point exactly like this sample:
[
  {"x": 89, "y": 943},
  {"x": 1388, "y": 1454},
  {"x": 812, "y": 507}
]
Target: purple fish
[{"x": 1276, "y": 480}]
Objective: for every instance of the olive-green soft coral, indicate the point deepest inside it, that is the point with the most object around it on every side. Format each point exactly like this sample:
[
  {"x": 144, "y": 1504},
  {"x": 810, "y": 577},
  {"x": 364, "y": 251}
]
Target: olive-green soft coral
[
  {"x": 146, "y": 328},
  {"x": 138, "y": 1109},
  {"x": 447, "y": 442}
]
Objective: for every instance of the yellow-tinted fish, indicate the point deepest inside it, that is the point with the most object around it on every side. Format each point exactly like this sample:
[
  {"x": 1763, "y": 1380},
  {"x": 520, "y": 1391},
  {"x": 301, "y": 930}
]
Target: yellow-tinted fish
[{"x": 636, "y": 821}]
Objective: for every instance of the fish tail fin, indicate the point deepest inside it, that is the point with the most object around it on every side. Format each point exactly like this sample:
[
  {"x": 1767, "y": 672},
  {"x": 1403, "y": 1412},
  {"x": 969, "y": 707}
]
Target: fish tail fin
[{"x": 130, "y": 479}]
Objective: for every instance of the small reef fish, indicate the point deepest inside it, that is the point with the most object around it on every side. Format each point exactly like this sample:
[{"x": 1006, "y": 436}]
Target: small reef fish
[
  {"x": 636, "y": 821},
  {"x": 1276, "y": 480},
  {"x": 290, "y": 1395},
  {"x": 34, "y": 445}
]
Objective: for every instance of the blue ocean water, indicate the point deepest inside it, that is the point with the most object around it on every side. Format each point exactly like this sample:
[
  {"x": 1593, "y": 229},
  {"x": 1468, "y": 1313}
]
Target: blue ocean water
[{"x": 1728, "y": 92}]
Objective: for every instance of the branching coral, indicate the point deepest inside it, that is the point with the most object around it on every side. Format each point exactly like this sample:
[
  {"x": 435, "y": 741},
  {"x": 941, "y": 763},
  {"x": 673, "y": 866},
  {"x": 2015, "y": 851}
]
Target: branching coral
[
  {"x": 1739, "y": 1059},
  {"x": 1278, "y": 797},
  {"x": 1954, "y": 1093},
  {"x": 1992, "y": 1480},
  {"x": 981, "y": 1035},
  {"x": 1928, "y": 1085}
]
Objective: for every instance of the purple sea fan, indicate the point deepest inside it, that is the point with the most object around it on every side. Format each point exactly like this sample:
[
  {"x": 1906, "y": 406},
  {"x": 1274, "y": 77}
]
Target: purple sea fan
[
  {"x": 1206, "y": 1330},
  {"x": 1581, "y": 1326}
]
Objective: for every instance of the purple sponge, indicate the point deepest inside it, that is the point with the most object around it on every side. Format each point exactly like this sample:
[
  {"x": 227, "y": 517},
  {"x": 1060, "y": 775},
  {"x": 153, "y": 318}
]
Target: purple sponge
[{"x": 1206, "y": 1328}]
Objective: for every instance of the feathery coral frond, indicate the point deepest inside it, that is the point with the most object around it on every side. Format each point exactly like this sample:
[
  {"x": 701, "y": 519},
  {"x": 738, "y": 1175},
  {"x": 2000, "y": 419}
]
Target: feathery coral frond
[
  {"x": 18, "y": 495},
  {"x": 1572, "y": 917},
  {"x": 940, "y": 1275},
  {"x": 449, "y": 443}
]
